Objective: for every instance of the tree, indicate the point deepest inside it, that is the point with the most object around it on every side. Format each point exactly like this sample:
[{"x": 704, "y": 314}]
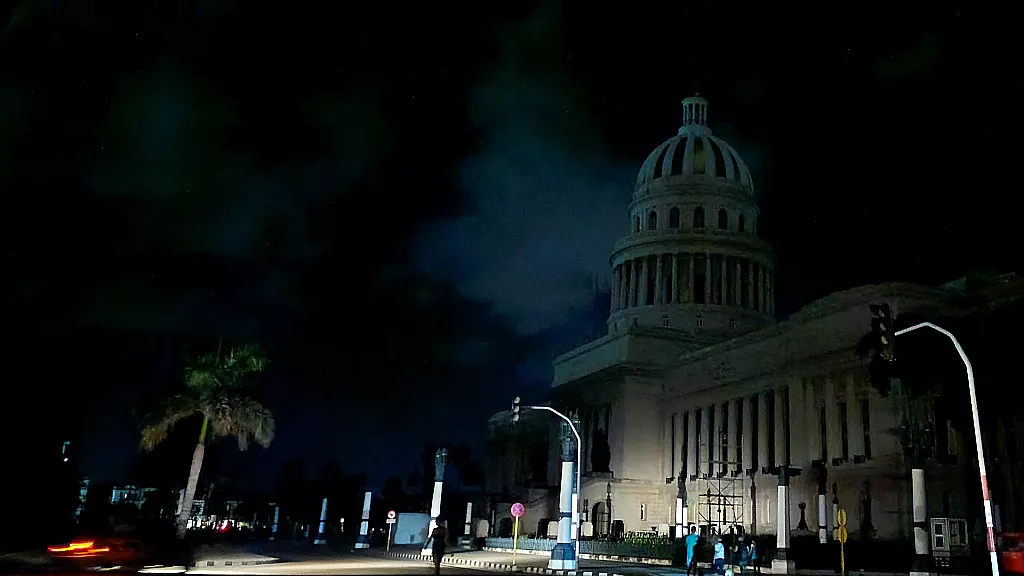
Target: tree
[{"x": 214, "y": 390}]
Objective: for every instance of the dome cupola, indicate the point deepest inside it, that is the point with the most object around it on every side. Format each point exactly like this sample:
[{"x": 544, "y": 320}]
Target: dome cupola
[{"x": 691, "y": 259}]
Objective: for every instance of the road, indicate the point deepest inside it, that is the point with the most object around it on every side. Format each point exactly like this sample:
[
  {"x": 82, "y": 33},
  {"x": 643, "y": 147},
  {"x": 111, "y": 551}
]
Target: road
[{"x": 343, "y": 565}]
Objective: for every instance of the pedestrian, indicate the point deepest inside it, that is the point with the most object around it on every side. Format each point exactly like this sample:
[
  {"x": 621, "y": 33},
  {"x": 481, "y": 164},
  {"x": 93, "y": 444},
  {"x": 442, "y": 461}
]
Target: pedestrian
[
  {"x": 744, "y": 555},
  {"x": 753, "y": 557},
  {"x": 691, "y": 545},
  {"x": 718, "y": 564},
  {"x": 438, "y": 542}
]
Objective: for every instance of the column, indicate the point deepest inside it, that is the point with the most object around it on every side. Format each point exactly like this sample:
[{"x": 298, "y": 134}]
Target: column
[
  {"x": 771, "y": 291},
  {"x": 588, "y": 443},
  {"x": 721, "y": 423},
  {"x": 797, "y": 421},
  {"x": 708, "y": 292},
  {"x": 563, "y": 555},
  {"x": 732, "y": 419},
  {"x": 780, "y": 427},
  {"x": 667, "y": 453},
  {"x": 273, "y": 528},
  {"x": 748, "y": 433},
  {"x": 642, "y": 293},
  {"x": 832, "y": 433},
  {"x": 691, "y": 442},
  {"x": 750, "y": 284},
  {"x": 811, "y": 423},
  {"x": 921, "y": 539},
  {"x": 674, "y": 292},
  {"x": 321, "y": 536},
  {"x": 363, "y": 541},
  {"x": 690, "y": 263},
  {"x": 467, "y": 531},
  {"x": 632, "y": 283},
  {"x": 854, "y": 420},
  {"x": 762, "y": 431},
  {"x": 705, "y": 429},
  {"x": 440, "y": 460},
  {"x": 616, "y": 273},
  {"x": 659, "y": 281},
  {"x": 738, "y": 279},
  {"x": 623, "y": 286},
  {"x": 761, "y": 307},
  {"x": 725, "y": 280}
]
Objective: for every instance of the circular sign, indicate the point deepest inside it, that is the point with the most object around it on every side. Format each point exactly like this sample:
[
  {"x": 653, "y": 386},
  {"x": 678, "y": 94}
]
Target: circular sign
[
  {"x": 843, "y": 534},
  {"x": 391, "y": 514},
  {"x": 841, "y": 516},
  {"x": 518, "y": 510}
]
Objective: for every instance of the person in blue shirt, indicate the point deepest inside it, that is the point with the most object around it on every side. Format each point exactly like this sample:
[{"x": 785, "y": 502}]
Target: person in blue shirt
[
  {"x": 691, "y": 545},
  {"x": 718, "y": 565}
]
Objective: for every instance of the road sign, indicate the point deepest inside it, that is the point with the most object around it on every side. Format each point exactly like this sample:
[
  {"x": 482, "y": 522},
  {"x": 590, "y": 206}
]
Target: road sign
[
  {"x": 841, "y": 517},
  {"x": 392, "y": 520},
  {"x": 392, "y": 515},
  {"x": 843, "y": 534},
  {"x": 518, "y": 510}
]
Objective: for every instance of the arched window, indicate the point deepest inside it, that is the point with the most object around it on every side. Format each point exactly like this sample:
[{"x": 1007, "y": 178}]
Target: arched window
[
  {"x": 742, "y": 223},
  {"x": 652, "y": 220},
  {"x": 723, "y": 219},
  {"x": 698, "y": 217},
  {"x": 673, "y": 218},
  {"x": 636, "y": 224}
]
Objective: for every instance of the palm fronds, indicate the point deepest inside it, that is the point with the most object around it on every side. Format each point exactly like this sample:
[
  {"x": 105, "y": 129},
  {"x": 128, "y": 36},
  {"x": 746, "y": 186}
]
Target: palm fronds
[{"x": 170, "y": 412}]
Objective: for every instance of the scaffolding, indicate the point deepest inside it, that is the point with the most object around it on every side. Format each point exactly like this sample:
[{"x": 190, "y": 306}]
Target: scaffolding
[{"x": 720, "y": 492}]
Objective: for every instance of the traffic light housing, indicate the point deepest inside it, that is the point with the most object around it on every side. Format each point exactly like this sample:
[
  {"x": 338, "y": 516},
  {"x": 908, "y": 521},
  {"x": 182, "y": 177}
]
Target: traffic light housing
[
  {"x": 515, "y": 410},
  {"x": 882, "y": 331}
]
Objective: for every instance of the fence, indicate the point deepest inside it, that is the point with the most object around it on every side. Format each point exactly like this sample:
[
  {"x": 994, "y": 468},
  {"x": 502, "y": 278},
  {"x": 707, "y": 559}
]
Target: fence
[{"x": 660, "y": 549}]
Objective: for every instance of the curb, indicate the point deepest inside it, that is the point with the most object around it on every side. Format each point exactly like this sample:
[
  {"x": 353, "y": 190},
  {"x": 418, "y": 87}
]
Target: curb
[
  {"x": 452, "y": 559},
  {"x": 215, "y": 563}
]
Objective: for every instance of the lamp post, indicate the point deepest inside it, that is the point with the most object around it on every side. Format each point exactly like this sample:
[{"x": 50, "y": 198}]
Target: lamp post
[
  {"x": 579, "y": 459},
  {"x": 982, "y": 472}
]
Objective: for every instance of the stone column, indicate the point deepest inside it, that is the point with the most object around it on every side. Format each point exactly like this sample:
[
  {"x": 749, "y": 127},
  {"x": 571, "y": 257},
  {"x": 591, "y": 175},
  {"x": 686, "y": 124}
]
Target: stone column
[
  {"x": 832, "y": 434},
  {"x": 674, "y": 292},
  {"x": 659, "y": 281},
  {"x": 708, "y": 280},
  {"x": 273, "y": 528},
  {"x": 691, "y": 442},
  {"x": 705, "y": 431},
  {"x": 588, "y": 440},
  {"x": 642, "y": 300},
  {"x": 780, "y": 427},
  {"x": 616, "y": 273},
  {"x": 738, "y": 289},
  {"x": 771, "y": 291},
  {"x": 691, "y": 262},
  {"x": 920, "y": 505},
  {"x": 731, "y": 421},
  {"x": 750, "y": 284},
  {"x": 796, "y": 424},
  {"x": 632, "y": 284},
  {"x": 762, "y": 307},
  {"x": 563, "y": 555},
  {"x": 682, "y": 507},
  {"x": 363, "y": 541},
  {"x": 623, "y": 286},
  {"x": 782, "y": 564},
  {"x": 725, "y": 280},
  {"x": 440, "y": 460},
  {"x": 811, "y": 421},
  {"x": 667, "y": 453},
  {"x": 822, "y": 504},
  {"x": 748, "y": 433},
  {"x": 762, "y": 431},
  {"x": 321, "y": 535},
  {"x": 467, "y": 531},
  {"x": 854, "y": 420}
]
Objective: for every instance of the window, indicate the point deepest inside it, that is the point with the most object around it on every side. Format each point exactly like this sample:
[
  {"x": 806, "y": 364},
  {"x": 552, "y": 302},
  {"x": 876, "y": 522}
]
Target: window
[
  {"x": 741, "y": 223},
  {"x": 685, "y": 456},
  {"x": 643, "y": 512},
  {"x": 823, "y": 433},
  {"x": 698, "y": 218},
  {"x": 652, "y": 220},
  {"x": 664, "y": 321},
  {"x": 723, "y": 219},
  {"x": 865, "y": 417},
  {"x": 673, "y": 218},
  {"x": 700, "y": 321},
  {"x": 636, "y": 224},
  {"x": 844, "y": 433}
]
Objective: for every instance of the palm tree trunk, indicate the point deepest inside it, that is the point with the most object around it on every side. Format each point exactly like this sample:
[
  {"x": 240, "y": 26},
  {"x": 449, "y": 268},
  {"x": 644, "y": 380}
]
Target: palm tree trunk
[{"x": 193, "y": 480}]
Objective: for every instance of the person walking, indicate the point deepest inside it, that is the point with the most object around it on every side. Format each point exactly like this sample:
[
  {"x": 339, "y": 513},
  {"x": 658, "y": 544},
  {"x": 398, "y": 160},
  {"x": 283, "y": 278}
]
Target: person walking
[
  {"x": 718, "y": 564},
  {"x": 438, "y": 542},
  {"x": 691, "y": 547},
  {"x": 753, "y": 557}
]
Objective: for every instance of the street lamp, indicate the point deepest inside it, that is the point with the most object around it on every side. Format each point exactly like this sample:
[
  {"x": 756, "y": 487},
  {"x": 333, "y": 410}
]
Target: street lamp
[
  {"x": 579, "y": 460},
  {"x": 985, "y": 495}
]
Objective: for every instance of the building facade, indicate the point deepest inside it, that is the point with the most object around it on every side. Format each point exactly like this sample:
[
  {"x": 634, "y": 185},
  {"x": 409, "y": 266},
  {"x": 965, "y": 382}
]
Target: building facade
[{"x": 696, "y": 377}]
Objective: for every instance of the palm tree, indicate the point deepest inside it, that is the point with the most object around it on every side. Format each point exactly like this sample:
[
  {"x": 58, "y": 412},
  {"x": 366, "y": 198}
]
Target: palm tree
[{"x": 214, "y": 390}]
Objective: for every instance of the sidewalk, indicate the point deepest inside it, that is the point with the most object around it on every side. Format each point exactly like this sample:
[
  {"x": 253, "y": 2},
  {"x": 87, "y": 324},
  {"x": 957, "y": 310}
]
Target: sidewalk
[{"x": 533, "y": 563}]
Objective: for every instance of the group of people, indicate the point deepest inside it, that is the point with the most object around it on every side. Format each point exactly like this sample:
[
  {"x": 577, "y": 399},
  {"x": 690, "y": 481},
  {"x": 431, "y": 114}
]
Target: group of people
[{"x": 744, "y": 551}]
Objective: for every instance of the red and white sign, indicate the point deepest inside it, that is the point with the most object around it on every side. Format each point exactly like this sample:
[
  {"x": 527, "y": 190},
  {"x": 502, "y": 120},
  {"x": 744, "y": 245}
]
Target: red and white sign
[
  {"x": 391, "y": 514},
  {"x": 518, "y": 510}
]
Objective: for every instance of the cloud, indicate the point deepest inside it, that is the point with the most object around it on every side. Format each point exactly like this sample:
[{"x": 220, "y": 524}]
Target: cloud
[{"x": 545, "y": 200}]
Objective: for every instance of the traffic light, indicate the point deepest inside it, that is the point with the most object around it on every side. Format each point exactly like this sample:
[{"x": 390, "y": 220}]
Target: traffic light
[
  {"x": 515, "y": 410},
  {"x": 882, "y": 330}
]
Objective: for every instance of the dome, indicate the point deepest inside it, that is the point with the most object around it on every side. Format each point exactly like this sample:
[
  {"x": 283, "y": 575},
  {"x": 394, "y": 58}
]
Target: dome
[{"x": 694, "y": 155}]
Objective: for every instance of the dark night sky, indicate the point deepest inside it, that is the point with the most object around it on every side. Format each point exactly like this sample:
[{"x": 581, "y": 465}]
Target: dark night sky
[{"x": 407, "y": 205}]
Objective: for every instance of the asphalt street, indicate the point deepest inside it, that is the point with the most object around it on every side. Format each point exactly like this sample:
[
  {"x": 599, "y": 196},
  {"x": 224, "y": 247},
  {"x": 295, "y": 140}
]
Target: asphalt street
[{"x": 341, "y": 565}]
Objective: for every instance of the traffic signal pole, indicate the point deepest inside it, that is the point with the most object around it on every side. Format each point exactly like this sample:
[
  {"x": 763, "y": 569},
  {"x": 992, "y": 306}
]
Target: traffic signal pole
[{"x": 982, "y": 471}]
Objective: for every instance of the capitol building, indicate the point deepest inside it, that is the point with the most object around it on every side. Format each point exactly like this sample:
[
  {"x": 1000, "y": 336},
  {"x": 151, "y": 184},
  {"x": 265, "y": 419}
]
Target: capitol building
[{"x": 698, "y": 379}]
